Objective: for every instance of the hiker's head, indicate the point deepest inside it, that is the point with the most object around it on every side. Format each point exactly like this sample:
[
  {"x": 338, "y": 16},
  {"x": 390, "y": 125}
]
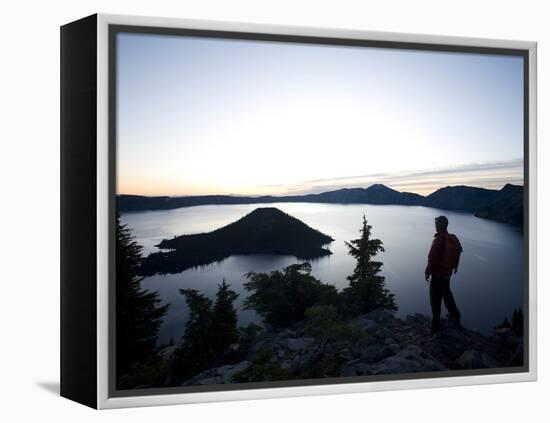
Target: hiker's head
[{"x": 441, "y": 223}]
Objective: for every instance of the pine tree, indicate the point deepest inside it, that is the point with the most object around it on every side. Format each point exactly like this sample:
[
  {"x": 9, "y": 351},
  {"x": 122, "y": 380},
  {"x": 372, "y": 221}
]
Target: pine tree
[
  {"x": 517, "y": 322},
  {"x": 195, "y": 353},
  {"x": 366, "y": 291},
  {"x": 506, "y": 322},
  {"x": 210, "y": 330},
  {"x": 138, "y": 317},
  {"x": 224, "y": 330}
]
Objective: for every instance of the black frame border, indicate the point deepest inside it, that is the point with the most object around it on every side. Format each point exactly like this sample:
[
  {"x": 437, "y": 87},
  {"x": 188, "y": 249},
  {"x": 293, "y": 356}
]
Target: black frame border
[
  {"x": 78, "y": 211},
  {"x": 114, "y": 29}
]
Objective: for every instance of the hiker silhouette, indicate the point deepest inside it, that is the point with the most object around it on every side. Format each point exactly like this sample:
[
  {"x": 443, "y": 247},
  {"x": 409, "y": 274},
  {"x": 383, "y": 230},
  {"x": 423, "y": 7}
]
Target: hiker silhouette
[{"x": 443, "y": 261}]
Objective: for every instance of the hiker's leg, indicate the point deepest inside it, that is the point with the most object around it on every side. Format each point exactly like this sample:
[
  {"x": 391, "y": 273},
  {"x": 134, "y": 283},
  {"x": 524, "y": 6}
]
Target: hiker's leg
[
  {"x": 449, "y": 300},
  {"x": 435, "y": 301}
]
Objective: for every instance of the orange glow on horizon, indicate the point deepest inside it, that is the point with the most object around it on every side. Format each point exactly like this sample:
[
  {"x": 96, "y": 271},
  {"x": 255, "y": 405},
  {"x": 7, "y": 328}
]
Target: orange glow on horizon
[{"x": 424, "y": 182}]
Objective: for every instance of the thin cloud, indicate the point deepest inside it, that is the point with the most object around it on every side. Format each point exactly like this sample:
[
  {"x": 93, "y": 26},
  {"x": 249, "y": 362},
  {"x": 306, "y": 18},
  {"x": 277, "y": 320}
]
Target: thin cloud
[{"x": 493, "y": 175}]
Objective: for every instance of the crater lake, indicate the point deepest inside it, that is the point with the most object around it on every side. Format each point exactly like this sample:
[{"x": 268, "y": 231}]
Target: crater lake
[{"x": 487, "y": 287}]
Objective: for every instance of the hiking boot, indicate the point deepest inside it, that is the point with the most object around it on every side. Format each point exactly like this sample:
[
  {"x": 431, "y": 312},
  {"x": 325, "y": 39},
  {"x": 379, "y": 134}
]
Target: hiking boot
[
  {"x": 435, "y": 335},
  {"x": 455, "y": 320}
]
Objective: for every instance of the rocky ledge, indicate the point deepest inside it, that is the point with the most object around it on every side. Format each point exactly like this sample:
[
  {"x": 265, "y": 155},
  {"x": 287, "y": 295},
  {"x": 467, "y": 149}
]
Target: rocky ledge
[{"x": 385, "y": 345}]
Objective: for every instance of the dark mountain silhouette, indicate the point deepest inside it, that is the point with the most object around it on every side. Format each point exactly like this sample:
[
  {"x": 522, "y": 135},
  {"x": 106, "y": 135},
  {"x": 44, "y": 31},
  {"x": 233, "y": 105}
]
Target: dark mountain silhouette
[
  {"x": 505, "y": 205},
  {"x": 263, "y": 231},
  {"x": 375, "y": 194},
  {"x": 460, "y": 198},
  {"x": 129, "y": 203}
]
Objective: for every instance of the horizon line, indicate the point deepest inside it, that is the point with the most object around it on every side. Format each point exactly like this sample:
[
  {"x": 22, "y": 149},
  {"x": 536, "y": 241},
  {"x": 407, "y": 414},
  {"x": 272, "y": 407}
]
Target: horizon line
[
  {"x": 317, "y": 193},
  {"x": 488, "y": 175}
]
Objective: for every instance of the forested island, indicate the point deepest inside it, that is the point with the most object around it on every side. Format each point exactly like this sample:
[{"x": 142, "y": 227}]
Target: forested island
[
  {"x": 505, "y": 205},
  {"x": 265, "y": 230}
]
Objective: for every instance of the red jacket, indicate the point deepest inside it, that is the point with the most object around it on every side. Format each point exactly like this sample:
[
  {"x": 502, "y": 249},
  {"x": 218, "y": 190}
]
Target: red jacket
[{"x": 444, "y": 255}]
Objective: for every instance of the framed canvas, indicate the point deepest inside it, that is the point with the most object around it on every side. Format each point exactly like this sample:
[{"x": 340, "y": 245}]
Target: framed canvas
[{"x": 257, "y": 211}]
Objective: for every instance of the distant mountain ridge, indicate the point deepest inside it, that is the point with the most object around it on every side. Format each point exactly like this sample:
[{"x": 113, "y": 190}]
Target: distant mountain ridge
[
  {"x": 266, "y": 230},
  {"x": 505, "y": 205}
]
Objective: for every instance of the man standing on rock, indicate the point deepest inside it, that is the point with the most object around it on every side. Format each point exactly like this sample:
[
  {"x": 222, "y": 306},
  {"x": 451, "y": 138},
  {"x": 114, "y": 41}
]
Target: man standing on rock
[{"x": 443, "y": 260}]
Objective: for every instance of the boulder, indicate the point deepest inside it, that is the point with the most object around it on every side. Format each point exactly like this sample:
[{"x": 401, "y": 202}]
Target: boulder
[
  {"x": 217, "y": 375},
  {"x": 363, "y": 323},
  {"x": 167, "y": 352},
  {"x": 472, "y": 359},
  {"x": 355, "y": 368},
  {"x": 298, "y": 344},
  {"x": 380, "y": 315},
  {"x": 384, "y": 352},
  {"x": 409, "y": 360},
  {"x": 345, "y": 354}
]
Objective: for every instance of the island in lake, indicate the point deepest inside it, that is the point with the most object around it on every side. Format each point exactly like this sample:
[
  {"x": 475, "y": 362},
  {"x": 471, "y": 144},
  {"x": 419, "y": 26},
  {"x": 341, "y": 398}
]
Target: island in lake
[{"x": 265, "y": 230}]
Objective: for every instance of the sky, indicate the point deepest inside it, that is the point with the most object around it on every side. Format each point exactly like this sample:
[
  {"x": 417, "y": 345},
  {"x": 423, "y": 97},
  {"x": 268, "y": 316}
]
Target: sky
[{"x": 200, "y": 116}]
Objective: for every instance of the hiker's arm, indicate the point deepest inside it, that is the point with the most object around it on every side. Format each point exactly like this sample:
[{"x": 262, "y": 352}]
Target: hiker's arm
[
  {"x": 457, "y": 263},
  {"x": 459, "y": 254},
  {"x": 432, "y": 256},
  {"x": 428, "y": 270}
]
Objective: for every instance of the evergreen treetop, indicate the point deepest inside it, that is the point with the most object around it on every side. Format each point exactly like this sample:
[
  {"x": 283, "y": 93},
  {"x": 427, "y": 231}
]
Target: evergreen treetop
[
  {"x": 367, "y": 290},
  {"x": 363, "y": 250},
  {"x": 139, "y": 314}
]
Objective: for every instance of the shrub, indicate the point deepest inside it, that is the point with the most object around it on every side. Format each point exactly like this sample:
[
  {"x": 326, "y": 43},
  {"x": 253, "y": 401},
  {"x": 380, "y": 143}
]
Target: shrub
[{"x": 281, "y": 297}]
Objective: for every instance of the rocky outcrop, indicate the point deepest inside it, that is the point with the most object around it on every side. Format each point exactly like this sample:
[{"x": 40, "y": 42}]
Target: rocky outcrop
[
  {"x": 222, "y": 374},
  {"x": 382, "y": 344}
]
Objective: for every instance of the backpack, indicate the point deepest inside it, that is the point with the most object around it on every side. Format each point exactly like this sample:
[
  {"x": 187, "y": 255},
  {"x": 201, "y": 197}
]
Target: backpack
[{"x": 452, "y": 251}]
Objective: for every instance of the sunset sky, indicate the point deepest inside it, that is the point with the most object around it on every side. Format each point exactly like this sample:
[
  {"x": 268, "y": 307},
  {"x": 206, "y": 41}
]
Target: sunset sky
[{"x": 211, "y": 116}]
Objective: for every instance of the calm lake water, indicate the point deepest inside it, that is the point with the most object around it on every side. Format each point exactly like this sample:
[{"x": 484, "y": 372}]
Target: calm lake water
[{"x": 487, "y": 287}]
